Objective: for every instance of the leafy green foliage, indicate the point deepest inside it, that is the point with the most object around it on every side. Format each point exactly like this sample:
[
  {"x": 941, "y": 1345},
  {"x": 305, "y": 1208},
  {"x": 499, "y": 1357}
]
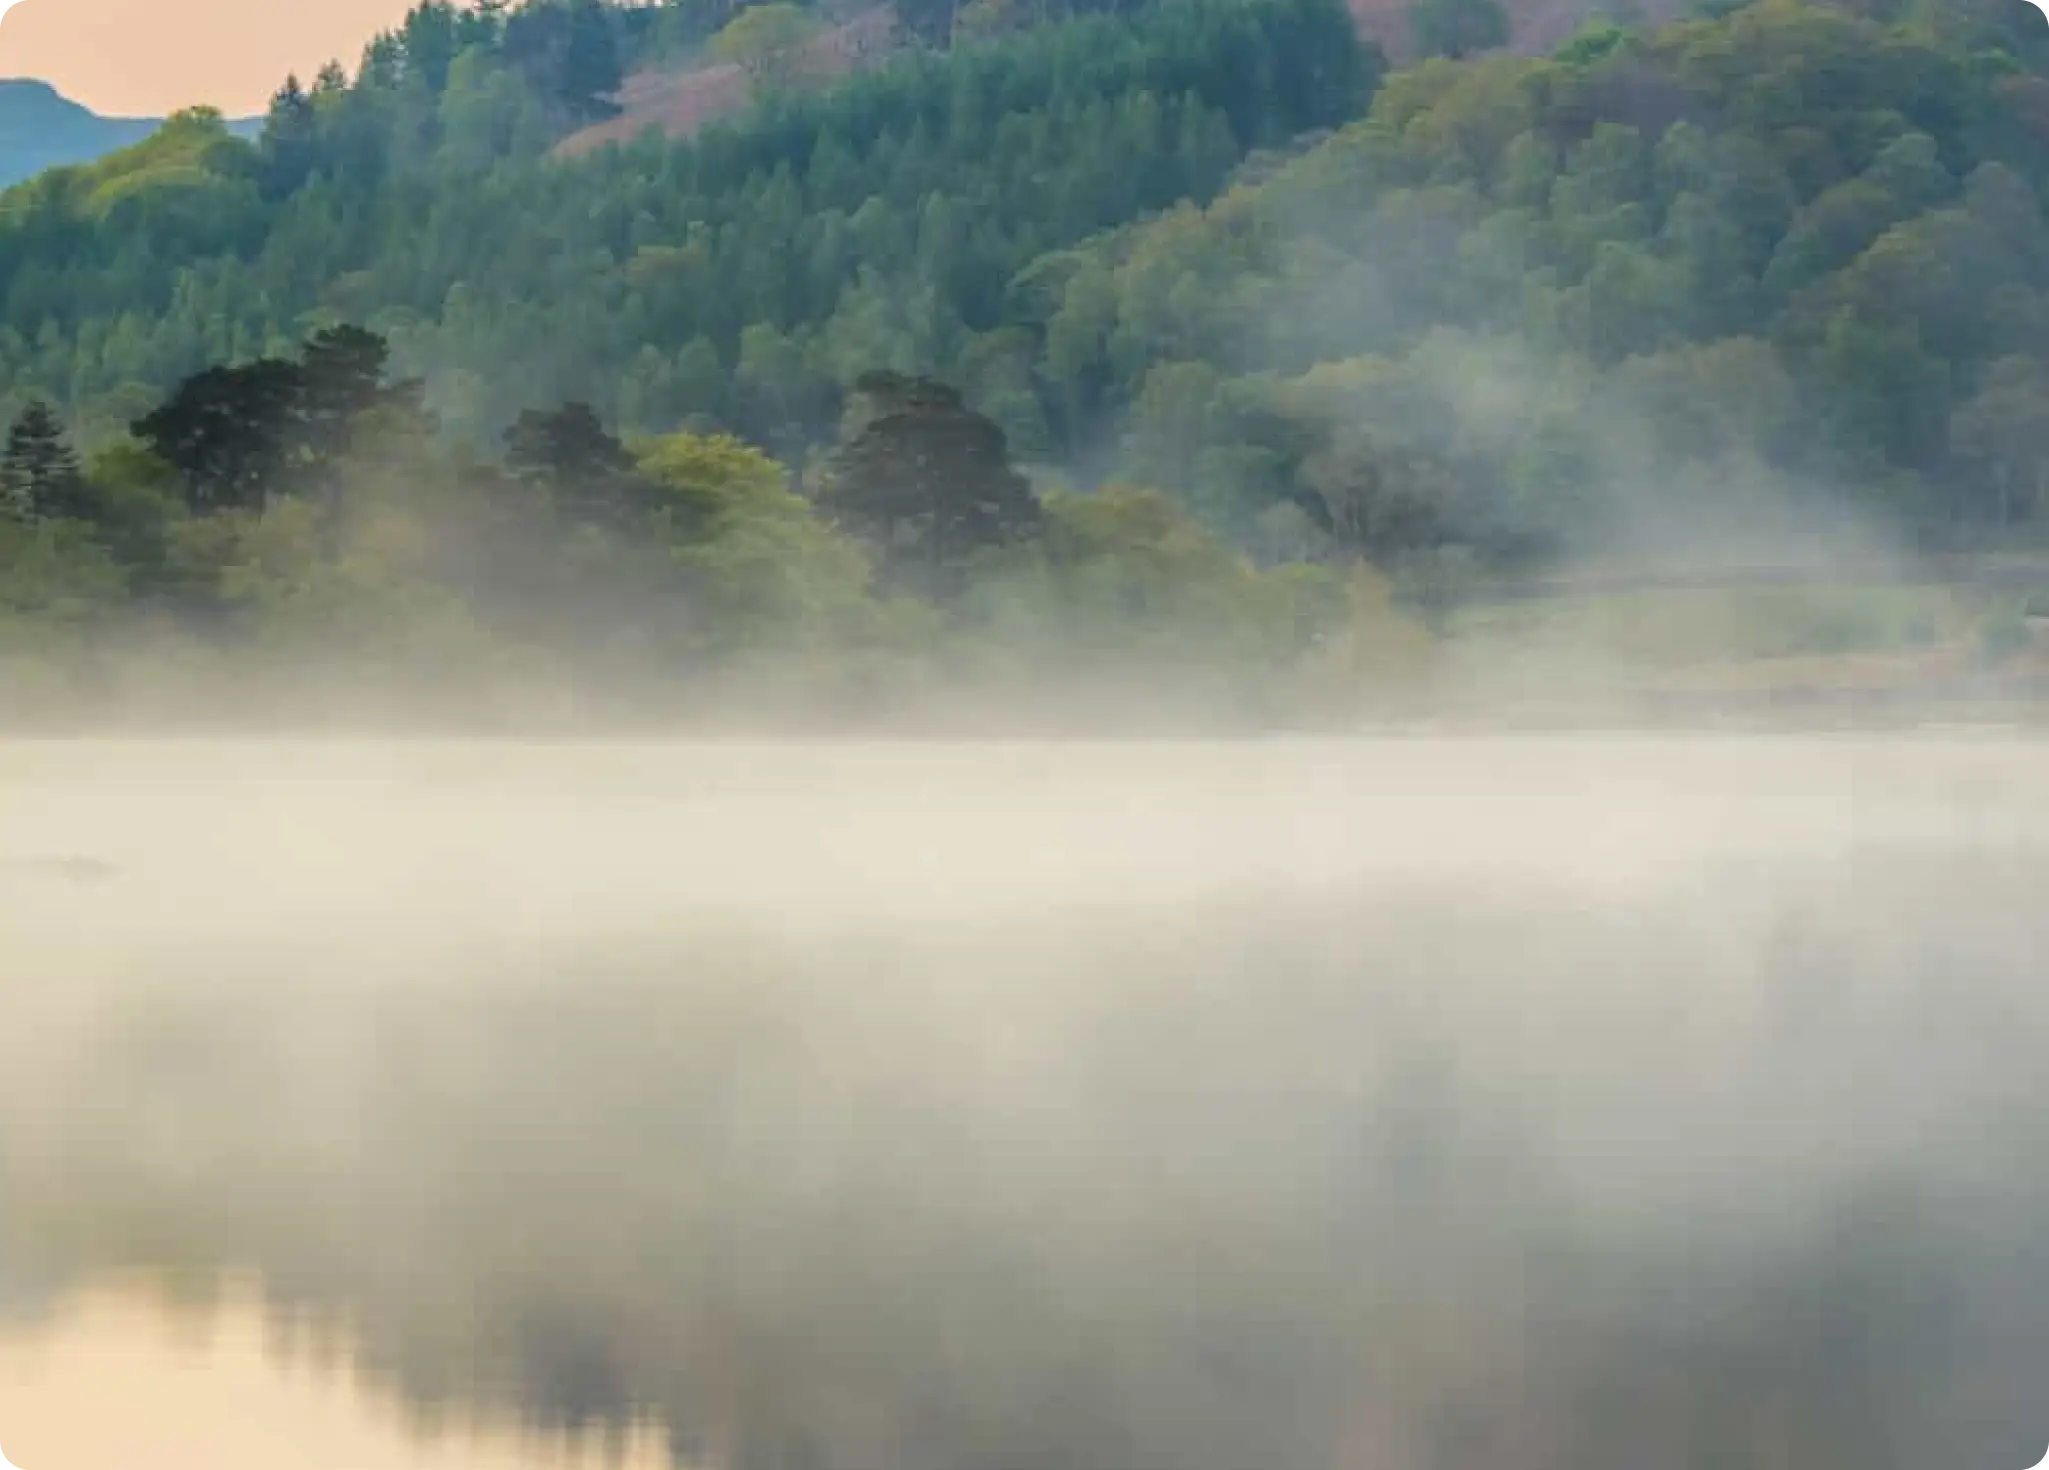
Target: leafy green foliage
[
  {"x": 928, "y": 481},
  {"x": 569, "y": 454},
  {"x": 1789, "y": 259},
  {"x": 1457, "y": 28},
  {"x": 40, "y": 478},
  {"x": 300, "y": 512},
  {"x": 569, "y": 50},
  {"x": 767, "y": 41},
  {"x": 745, "y": 276},
  {"x": 237, "y": 435},
  {"x": 1530, "y": 304}
]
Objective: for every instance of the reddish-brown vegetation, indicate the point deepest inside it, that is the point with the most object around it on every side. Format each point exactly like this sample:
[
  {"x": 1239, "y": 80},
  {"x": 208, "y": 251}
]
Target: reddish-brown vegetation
[{"x": 680, "y": 101}]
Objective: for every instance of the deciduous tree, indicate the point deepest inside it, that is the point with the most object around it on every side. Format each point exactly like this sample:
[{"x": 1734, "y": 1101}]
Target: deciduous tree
[
  {"x": 2003, "y": 431},
  {"x": 768, "y": 42}
]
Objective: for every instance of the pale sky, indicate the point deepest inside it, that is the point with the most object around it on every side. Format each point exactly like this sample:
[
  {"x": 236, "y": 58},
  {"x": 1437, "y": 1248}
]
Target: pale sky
[{"x": 149, "y": 57}]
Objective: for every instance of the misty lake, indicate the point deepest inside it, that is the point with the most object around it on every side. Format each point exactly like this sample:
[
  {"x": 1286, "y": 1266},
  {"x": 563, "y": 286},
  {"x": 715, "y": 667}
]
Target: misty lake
[
  {"x": 1590, "y": 1102},
  {"x": 126, "y": 1375}
]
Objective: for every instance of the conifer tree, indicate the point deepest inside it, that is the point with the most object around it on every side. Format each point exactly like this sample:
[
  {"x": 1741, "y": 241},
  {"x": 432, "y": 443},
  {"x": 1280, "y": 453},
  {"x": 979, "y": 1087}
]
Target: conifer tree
[
  {"x": 39, "y": 475},
  {"x": 928, "y": 481}
]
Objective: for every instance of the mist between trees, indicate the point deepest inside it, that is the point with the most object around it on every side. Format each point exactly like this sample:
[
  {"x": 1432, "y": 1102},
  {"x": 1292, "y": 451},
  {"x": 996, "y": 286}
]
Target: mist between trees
[
  {"x": 300, "y": 509},
  {"x": 1299, "y": 357}
]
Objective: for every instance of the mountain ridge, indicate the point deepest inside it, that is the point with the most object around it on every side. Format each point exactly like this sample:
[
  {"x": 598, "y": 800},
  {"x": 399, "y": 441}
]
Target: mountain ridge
[{"x": 41, "y": 128}]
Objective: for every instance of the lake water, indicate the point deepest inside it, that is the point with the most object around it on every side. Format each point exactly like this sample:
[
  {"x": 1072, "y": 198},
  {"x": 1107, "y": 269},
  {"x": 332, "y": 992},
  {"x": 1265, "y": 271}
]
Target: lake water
[
  {"x": 124, "y": 1375},
  {"x": 1589, "y": 1101}
]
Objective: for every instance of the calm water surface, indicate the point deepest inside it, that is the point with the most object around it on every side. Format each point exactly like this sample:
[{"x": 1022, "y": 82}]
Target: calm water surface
[
  {"x": 118, "y": 1376},
  {"x": 997, "y": 1107}
]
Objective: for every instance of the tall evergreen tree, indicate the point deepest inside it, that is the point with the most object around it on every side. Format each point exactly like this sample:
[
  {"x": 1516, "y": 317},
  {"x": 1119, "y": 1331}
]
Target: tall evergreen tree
[
  {"x": 40, "y": 479},
  {"x": 290, "y": 147},
  {"x": 569, "y": 50},
  {"x": 928, "y": 481},
  {"x": 342, "y": 378},
  {"x": 569, "y": 453}
]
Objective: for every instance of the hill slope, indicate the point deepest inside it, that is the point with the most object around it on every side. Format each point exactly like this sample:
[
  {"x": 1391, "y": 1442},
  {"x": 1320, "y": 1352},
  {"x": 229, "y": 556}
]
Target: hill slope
[
  {"x": 676, "y": 98},
  {"x": 41, "y": 128},
  {"x": 1535, "y": 26},
  {"x": 883, "y": 218},
  {"x": 1796, "y": 247},
  {"x": 1716, "y": 291}
]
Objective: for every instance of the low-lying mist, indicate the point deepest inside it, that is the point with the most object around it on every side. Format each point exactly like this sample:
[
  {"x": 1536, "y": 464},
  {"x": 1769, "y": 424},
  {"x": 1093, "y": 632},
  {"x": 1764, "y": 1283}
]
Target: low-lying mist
[{"x": 1589, "y": 1102}]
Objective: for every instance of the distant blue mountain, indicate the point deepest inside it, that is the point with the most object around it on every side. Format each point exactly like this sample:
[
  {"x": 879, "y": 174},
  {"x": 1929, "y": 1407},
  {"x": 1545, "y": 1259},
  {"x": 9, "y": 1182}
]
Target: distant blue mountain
[{"x": 40, "y": 128}]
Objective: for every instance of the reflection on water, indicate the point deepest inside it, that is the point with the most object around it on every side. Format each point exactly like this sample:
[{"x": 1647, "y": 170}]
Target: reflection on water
[
  {"x": 1311, "y": 1105},
  {"x": 123, "y": 1376}
]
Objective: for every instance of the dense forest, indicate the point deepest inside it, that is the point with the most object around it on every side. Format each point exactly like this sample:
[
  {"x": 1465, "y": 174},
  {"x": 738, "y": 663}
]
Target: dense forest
[{"x": 1250, "y": 312}]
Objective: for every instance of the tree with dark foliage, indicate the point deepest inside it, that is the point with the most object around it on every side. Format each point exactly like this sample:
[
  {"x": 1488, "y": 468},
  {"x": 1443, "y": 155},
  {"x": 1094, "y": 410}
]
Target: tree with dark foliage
[
  {"x": 240, "y": 435},
  {"x": 928, "y": 481},
  {"x": 227, "y": 432},
  {"x": 569, "y": 453},
  {"x": 568, "y": 49},
  {"x": 342, "y": 382},
  {"x": 1457, "y": 28},
  {"x": 289, "y": 151},
  {"x": 39, "y": 475}
]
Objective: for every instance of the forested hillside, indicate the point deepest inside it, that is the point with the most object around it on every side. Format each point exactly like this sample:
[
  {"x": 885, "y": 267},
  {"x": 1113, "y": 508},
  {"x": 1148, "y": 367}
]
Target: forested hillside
[
  {"x": 1779, "y": 264},
  {"x": 1794, "y": 253},
  {"x": 825, "y": 234},
  {"x": 40, "y": 129}
]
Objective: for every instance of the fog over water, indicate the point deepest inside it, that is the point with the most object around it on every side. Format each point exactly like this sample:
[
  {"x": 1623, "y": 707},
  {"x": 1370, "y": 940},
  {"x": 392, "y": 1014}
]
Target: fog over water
[
  {"x": 1407, "y": 1103},
  {"x": 125, "y": 1375}
]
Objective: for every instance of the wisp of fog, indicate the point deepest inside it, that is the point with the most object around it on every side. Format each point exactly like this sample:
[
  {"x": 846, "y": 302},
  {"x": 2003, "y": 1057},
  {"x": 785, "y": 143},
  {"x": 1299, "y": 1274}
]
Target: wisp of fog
[{"x": 1597, "y": 1102}]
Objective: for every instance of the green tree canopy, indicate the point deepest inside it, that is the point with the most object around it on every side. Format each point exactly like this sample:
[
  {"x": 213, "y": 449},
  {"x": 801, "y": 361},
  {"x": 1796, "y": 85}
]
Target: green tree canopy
[
  {"x": 1457, "y": 28},
  {"x": 569, "y": 453},
  {"x": 927, "y": 481},
  {"x": 40, "y": 479},
  {"x": 768, "y": 42}
]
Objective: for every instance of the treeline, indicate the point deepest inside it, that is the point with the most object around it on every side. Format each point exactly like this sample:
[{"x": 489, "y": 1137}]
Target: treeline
[
  {"x": 1782, "y": 261},
  {"x": 1791, "y": 260},
  {"x": 303, "y": 517},
  {"x": 741, "y": 278}
]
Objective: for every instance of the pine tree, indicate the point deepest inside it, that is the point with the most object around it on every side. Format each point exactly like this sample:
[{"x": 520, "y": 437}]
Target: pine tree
[
  {"x": 342, "y": 379},
  {"x": 39, "y": 475},
  {"x": 929, "y": 481},
  {"x": 569, "y": 452},
  {"x": 290, "y": 147},
  {"x": 228, "y": 432}
]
